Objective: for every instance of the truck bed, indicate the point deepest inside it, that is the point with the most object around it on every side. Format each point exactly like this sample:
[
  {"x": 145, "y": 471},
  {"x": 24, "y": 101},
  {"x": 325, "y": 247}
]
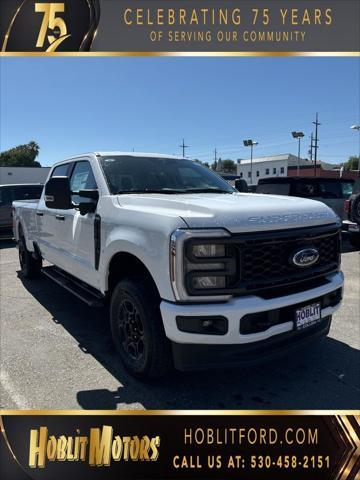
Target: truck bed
[{"x": 25, "y": 210}]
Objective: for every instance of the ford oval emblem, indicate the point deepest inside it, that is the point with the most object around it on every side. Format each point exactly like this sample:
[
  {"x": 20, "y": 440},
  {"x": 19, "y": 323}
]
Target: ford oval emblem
[{"x": 306, "y": 257}]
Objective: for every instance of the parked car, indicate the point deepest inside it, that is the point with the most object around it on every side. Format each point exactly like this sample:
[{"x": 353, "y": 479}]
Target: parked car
[
  {"x": 331, "y": 191},
  {"x": 9, "y": 193},
  {"x": 352, "y": 213},
  {"x": 196, "y": 274}
]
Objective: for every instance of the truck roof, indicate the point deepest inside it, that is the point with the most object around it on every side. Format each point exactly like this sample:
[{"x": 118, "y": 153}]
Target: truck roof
[
  {"x": 138, "y": 154},
  {"x": 302, "y": 179},
  {"x": 119, "y": 153}
]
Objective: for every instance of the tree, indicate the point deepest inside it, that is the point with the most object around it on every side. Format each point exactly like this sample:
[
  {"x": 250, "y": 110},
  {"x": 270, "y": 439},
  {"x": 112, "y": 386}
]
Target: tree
[
  {"x": 352, "y": 163},
  {"x": 229, "y": 166},
  {"x": 206, "y": 164},
  {"x": 21, "y": 156}
]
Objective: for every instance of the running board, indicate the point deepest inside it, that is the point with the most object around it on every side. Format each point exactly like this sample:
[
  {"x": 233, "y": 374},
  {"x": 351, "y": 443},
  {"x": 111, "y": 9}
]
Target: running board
[{"x": 87, "y": 294}]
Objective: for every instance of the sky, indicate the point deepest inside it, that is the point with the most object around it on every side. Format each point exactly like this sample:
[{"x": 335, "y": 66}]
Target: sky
[{"x": 75, "y": 105}]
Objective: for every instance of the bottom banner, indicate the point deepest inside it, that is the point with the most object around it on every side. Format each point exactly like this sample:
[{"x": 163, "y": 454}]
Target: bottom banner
[{"x": 180, "y": 444}]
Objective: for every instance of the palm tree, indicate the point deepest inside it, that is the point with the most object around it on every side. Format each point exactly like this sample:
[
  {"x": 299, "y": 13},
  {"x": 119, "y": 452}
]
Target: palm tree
[{"x": 34, "y": 147}]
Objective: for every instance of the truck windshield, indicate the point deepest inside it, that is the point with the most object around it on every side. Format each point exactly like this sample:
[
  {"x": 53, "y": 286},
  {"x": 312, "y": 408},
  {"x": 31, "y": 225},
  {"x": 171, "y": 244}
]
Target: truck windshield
[{"x": 131, "y": 174}]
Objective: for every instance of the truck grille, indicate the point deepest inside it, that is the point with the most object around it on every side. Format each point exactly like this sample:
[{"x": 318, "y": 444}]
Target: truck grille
[{"x": 265, "y": 259}]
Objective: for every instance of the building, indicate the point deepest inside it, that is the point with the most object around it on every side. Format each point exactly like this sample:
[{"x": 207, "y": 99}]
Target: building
[
  {"x": 287, "y": 166},
  {"x": 263, "y": 167},
  {"x": 322, "y": 171},
  {"x": 13, "y": 175}
]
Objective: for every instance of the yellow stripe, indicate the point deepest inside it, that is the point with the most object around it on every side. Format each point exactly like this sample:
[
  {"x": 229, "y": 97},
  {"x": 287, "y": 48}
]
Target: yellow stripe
[{"x": 179, "y": 54}]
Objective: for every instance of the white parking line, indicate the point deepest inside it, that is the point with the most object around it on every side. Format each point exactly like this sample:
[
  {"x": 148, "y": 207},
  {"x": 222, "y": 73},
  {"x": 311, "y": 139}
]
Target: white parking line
[{"x": 9, "y": 388}]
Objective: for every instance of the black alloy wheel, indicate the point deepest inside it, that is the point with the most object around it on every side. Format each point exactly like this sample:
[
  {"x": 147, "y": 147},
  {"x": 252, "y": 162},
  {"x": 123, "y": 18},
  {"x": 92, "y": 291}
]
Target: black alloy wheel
[{"x": 137, "y": 328}]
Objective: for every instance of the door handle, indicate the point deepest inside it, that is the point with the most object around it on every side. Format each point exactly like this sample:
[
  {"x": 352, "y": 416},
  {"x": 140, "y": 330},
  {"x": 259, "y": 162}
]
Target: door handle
[
  {"x": 60, "y": 217},
  {"x": 40, "y": 214}
]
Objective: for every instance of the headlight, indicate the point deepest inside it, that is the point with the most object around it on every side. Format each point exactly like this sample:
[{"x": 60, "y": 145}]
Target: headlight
[
  {"x": 203, "y": 282},
  {"x": 202, "y": 264},
  {"x": 208, "y": 250}
]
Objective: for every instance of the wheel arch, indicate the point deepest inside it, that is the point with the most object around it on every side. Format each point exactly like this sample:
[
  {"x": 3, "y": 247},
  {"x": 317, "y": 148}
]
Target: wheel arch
[
  {"x": 126, "y": 265},
  {"x": 20, "y": 230}
]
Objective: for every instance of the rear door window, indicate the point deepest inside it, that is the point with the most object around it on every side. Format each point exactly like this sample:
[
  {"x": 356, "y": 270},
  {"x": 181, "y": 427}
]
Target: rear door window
[
  {"x": 330, "y": 189},
  {"x": 347, "y": 189},
  {"x": 61, "y": 170},
  {"x": 274, "y": 188},
  {"x": 305, "y": 189}
]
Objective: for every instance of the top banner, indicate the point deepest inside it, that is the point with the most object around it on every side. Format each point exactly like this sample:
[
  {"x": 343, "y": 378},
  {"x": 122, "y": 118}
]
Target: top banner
[{"x": 180, "y": 27}]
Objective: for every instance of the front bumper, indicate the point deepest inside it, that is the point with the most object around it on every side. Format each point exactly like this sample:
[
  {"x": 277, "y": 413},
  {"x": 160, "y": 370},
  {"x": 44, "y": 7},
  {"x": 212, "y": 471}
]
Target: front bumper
[
  {"x": 196, "y": 347},
  {"x": 200, "y": 357},
  {"x": 350, "y": 227}
]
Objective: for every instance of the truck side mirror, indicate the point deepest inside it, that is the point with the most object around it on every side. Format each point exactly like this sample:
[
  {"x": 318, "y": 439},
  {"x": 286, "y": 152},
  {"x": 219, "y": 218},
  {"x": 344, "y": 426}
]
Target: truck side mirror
[
  {"x": 89, "y": 193},
  {"x": 241, "y": 185},
  {"x": 58, "y": 193},
  {"x": 88, "y": 207}
]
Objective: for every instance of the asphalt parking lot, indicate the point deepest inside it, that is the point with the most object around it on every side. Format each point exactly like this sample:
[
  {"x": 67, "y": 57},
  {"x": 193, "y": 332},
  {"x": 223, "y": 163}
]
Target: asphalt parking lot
[{"x": 56, "y": 353}]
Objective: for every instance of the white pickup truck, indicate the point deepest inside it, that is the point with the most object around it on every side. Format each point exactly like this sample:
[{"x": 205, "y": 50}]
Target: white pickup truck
[{"x": 196, "y": 274}]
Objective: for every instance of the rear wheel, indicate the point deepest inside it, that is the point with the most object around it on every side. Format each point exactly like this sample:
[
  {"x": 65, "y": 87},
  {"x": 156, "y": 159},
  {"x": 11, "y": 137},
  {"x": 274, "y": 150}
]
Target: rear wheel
[
  {"x": 30, "y": 266},
  {"x": 137, "y": 329}
]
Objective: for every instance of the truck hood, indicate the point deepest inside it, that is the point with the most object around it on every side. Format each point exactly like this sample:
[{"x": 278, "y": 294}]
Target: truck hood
[{"x": 238, "y": 212}]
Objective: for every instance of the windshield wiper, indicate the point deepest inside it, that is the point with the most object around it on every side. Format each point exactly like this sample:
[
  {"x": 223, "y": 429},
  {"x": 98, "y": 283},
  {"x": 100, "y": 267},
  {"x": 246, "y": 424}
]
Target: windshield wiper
[
  {"x": 173, "y": 191},
  {"x": 206, "y": 190},
  {"x": 149, "y": 190}
]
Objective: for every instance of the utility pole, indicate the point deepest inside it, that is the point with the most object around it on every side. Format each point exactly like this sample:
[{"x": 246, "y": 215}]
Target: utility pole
[
  {"x": 183, "y": 146},
  {"x": 251, "y": 143},
  {"x": 316, "y": 123},
  {"x": 357, "y": 127},
  {"x": 311, "y": 146},
  {"x": 215, "y": 158},
  {"x": 299, "y": 136}
]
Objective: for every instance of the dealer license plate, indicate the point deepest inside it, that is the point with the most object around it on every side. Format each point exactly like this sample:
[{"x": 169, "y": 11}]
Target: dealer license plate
[{"x": 307, "y": 316}]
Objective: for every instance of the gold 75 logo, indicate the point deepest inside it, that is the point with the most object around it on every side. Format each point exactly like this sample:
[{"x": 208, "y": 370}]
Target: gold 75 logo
[{"x": 51, "y": 22}]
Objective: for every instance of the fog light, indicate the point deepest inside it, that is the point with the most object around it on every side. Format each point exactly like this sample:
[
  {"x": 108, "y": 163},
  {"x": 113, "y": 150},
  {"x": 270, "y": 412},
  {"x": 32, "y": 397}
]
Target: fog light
[
  {"x": 208, "y": 282},
  {"x": 206, "y": 325}
]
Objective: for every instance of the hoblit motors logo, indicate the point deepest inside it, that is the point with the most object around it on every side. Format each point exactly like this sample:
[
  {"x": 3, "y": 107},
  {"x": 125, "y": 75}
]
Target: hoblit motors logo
[
  {"x": 99, "y": 448},
  {"x": 39, "y": 26}
]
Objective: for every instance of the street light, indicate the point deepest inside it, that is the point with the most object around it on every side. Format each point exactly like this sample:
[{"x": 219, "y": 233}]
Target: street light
[
  {"x": 299, "y": 136},
  {"x": 357, "y": 127},
  {"x": 250, "y": 143}
]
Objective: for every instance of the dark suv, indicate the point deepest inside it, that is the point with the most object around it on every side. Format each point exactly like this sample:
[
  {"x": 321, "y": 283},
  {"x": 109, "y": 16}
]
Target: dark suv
[
  {"x": 331, "y": 191},
  {"x": 352, "y": 211},
  {"x": 9, "y": 193}
]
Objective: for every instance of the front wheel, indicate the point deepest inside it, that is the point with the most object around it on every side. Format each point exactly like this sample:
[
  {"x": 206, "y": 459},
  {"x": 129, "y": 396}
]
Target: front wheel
[
  {"x": 30, "y": 266},
  {"x": 137, "y": 329}
]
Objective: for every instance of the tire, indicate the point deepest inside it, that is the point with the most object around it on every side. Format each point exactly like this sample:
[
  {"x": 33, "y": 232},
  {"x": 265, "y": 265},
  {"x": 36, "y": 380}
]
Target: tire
[
  {"x": 354, "y": 239},
  {"x": 355, "y": 209},
  {"x": 30, "y": 266},
  {"x": 137, "y": 329}
]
